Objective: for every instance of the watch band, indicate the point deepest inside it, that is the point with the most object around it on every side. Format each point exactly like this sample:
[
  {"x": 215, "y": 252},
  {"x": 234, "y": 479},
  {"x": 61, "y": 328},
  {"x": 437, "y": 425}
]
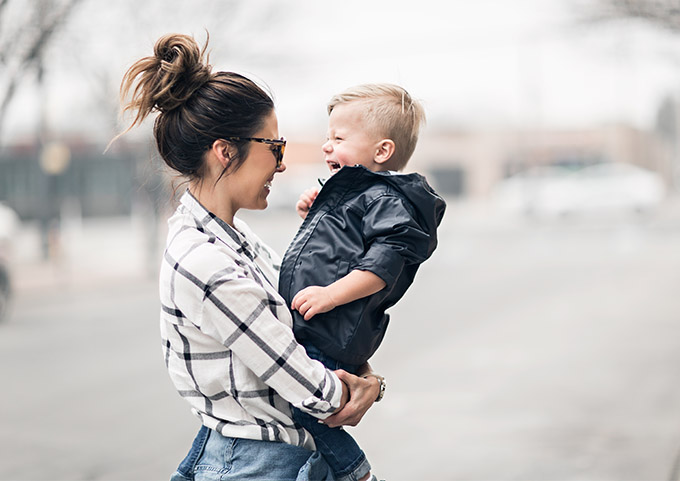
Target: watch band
[{"x": 382, "y": 382}]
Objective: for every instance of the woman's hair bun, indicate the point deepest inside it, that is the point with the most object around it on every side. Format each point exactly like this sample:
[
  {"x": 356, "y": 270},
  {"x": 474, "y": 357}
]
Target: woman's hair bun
[
  {"x": 181, "y": 70},
  {"x": 166, "y": 80}
]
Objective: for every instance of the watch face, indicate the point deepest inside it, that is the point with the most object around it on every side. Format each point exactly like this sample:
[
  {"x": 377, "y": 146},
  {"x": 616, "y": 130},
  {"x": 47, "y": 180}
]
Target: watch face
[
  {"x": 382, "y": 389},
  {"x": 382, "y": 383}
]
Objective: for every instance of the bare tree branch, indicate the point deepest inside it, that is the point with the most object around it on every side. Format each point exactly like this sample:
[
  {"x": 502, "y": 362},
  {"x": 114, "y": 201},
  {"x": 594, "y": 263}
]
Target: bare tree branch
[
  {"x": 19, "y": 61},
  {"x": 3, "y": 4},
  {"x": 664, "y": 13}
]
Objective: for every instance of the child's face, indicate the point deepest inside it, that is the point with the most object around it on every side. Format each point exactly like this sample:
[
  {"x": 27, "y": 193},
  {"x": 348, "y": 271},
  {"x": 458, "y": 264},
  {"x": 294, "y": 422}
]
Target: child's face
[{"x": 349, "y": 141}]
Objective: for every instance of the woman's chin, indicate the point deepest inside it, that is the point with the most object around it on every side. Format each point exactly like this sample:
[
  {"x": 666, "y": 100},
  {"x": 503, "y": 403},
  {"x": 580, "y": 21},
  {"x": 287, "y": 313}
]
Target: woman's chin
[{"x": 262, "y": 204}]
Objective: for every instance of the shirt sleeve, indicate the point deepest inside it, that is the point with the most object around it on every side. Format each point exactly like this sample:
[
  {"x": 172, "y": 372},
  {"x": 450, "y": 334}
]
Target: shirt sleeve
[
  {"x": 394, "y": 238},
  {"x": 242, "y": 314}
]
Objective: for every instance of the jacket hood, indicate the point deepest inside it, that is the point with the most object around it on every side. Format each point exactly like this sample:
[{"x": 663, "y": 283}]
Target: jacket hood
[{"x": 428, "y": 204}]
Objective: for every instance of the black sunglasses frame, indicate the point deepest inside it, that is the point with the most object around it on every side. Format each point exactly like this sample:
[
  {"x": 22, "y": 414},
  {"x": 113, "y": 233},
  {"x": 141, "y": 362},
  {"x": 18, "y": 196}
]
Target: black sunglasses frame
[{"x": 279, "y": 143}]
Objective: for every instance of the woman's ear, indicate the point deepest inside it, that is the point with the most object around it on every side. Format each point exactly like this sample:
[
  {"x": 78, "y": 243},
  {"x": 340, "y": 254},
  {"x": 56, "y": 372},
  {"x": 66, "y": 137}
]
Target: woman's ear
[
  {"x": 384, "y": 151},
  {"x": 223, "y": 152}
]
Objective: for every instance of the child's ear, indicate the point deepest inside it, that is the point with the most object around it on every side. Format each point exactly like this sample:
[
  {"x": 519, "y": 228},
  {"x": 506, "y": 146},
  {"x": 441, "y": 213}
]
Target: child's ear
[{"x": 384, "y": 151}]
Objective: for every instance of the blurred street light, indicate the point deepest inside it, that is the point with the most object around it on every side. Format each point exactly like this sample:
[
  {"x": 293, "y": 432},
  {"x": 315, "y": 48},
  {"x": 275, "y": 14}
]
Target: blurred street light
[{"x": 55, "y": 158}]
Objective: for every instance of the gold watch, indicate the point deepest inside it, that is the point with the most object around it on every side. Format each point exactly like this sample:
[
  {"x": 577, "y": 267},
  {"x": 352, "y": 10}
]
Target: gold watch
[{"x": 382, "y": 382}]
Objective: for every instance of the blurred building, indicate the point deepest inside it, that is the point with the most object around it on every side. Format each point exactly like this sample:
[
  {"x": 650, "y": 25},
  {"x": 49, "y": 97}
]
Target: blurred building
[
  {"x": 42, "y": 182},
  {"x": 84, "y": 181},
  {"x": 471, "y": 163}
]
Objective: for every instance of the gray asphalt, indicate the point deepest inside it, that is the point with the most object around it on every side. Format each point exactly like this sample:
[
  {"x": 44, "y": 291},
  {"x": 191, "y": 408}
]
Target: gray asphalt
[{"x": 524, "y": 351}]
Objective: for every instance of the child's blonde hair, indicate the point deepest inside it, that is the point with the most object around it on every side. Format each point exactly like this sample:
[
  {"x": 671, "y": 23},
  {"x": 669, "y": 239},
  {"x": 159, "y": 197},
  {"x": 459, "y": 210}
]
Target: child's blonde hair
[{"x": 392, "y": 112}]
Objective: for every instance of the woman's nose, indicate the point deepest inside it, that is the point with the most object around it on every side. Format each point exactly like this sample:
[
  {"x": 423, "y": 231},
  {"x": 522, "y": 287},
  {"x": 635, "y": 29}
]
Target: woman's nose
[{"x": 281, "y": 167}]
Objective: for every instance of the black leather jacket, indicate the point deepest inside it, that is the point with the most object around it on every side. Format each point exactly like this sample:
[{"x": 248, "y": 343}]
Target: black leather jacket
[{"x": 376, "y": 221}]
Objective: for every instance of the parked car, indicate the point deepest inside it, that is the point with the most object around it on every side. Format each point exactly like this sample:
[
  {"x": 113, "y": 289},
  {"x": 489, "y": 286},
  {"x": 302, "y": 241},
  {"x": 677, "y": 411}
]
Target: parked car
[
  {"x": 9, "y": 222},
  {"x": 609, "y": 187}
]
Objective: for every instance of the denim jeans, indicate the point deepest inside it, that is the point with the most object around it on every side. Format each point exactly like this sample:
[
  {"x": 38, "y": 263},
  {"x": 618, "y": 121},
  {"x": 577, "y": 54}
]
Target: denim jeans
[
  {"x": 214, "y": 457},
  {"x": 342, "y": 453}
]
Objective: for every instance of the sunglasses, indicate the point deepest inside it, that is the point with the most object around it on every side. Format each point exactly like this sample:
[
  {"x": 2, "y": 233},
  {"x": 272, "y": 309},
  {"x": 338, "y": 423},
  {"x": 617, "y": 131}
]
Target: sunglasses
[{"x": 278, "y": 146}]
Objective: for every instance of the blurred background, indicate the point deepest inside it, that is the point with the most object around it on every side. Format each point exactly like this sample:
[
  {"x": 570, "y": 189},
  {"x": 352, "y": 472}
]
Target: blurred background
[{"x": 541, "y": 341}]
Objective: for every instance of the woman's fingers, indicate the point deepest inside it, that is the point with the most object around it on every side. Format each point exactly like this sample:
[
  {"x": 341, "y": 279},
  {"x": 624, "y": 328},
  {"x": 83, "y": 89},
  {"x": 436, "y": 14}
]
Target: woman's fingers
[{"x": 362, "y": 395}]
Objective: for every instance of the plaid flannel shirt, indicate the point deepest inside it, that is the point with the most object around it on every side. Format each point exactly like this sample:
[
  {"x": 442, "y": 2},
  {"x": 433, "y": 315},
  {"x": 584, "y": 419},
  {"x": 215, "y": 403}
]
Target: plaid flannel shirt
[{"x": 226, "y": 331}]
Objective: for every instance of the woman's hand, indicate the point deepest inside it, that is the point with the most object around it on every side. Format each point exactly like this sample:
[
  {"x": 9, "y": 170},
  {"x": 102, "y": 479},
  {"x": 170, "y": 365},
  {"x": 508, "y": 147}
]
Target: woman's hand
[
  {"x": 305, "y": 201},
  {"x": 362, "y": 395}
]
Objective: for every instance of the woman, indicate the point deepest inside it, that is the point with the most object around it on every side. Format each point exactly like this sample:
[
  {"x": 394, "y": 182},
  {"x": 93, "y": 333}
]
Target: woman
[{"x": 227, "y": 336}]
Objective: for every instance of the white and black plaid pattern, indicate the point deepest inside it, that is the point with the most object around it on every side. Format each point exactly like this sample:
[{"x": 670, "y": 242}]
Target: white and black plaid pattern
[{"x": 227, "y": 336}]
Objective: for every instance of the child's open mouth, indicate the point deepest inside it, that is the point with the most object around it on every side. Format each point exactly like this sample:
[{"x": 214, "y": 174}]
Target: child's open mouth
[{"x": 333, "y": 166}]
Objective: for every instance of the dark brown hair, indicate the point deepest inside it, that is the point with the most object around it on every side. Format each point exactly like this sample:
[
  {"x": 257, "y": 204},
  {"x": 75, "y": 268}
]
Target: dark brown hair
[{"x": 196, "y": 107}]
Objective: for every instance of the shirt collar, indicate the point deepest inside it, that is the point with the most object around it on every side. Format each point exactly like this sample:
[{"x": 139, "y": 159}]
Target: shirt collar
[{"x": 216, "y": 226}]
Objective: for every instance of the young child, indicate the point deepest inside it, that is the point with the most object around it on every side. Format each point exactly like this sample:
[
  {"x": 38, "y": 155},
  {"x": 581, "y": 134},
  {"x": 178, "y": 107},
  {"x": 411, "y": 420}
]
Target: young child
[{"x": 363, "y": 237}]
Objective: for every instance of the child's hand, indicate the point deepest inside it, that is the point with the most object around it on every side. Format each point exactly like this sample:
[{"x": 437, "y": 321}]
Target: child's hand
[
  {"x": 313, "y": 300},
  {"x": 305, "y": 201}
]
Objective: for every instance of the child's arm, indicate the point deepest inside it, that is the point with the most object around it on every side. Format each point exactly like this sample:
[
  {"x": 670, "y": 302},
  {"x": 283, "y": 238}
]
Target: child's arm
[
  {"x": 305, "y": 201},
  {"x": 314, "y": 300}
]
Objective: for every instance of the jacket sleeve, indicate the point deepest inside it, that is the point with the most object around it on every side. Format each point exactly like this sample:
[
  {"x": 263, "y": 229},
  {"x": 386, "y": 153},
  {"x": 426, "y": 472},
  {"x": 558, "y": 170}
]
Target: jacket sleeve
[{"x": 393, "y": 238}]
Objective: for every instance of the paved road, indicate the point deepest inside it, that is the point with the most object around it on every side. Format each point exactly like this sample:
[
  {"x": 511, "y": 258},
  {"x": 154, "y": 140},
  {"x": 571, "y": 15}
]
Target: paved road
[{"x": 523, "y": 352}]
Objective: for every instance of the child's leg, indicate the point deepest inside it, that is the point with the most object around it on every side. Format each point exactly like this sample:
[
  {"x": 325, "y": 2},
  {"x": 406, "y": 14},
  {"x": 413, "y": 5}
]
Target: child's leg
[
  {"x": 344, "y": 456},
  {"x": 342, "y": 453}
]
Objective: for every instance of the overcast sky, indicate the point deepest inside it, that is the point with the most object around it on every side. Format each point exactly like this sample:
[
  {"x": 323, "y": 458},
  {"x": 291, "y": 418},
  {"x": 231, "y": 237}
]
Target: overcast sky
[{"x": 474, "y": 64}]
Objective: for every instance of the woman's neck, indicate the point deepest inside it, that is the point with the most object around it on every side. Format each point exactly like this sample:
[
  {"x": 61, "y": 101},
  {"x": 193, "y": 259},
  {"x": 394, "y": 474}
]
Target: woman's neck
[{"x": 215, "y": 201}]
